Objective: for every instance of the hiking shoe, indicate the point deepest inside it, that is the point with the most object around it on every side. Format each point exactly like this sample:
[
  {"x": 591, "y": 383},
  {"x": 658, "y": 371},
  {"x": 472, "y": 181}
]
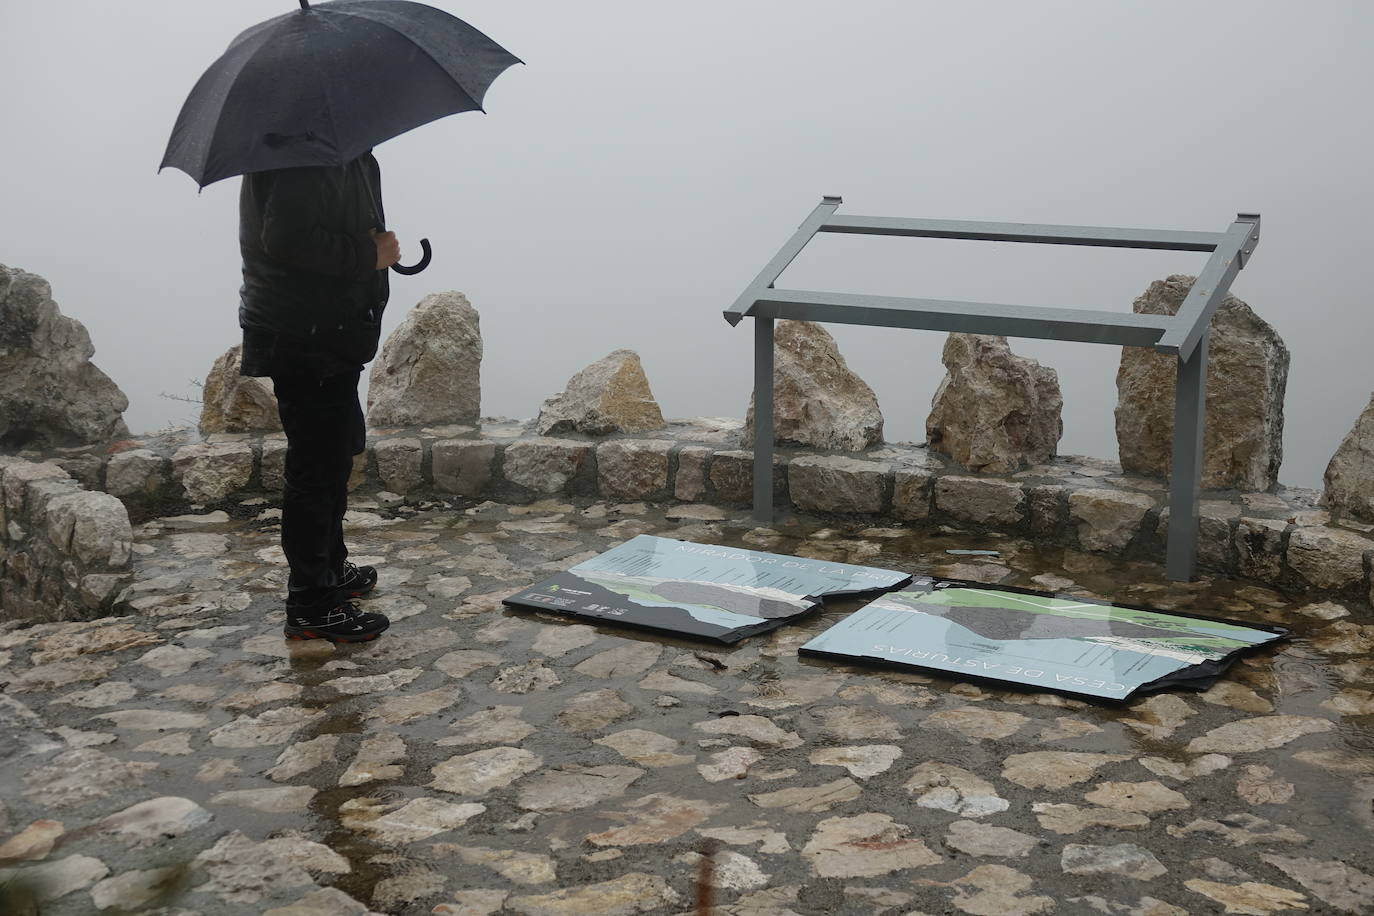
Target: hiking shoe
[
  {"x": 357, "y": 581},
  {"x": 341, "y": 622}
]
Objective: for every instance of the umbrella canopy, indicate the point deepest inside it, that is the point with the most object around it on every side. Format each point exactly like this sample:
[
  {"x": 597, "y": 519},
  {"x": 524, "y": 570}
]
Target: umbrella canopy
[{"x": 323, "y": 84}]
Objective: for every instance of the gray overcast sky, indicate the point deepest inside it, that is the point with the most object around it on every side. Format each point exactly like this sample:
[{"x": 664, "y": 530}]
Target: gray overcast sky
[{"x": 651, "y": 157}]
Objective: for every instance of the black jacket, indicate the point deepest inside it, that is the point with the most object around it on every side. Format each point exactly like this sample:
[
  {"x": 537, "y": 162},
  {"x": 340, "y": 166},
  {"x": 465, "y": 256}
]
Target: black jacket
[{"x": 312, "y": 298}]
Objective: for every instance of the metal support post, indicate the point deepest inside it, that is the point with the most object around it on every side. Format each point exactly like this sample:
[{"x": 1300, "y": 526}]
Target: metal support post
[
  {"x": 763, "y": 420},
  {"x": 1185, "y": 477}
]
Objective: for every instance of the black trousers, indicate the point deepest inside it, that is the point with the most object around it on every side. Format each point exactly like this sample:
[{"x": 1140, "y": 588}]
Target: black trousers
[{"x": 323, "y": 421}]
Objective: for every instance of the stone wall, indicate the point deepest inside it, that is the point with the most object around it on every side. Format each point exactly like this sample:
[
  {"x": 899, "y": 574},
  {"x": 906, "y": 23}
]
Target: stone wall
[
  {"x": 1282, "y": 538},
  {"x": 64, "y": 551}
]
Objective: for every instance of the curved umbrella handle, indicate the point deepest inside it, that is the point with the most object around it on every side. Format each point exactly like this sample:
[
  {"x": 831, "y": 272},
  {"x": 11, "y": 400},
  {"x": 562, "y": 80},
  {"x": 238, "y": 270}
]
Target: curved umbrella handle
[{"x": 415, "y": 268}]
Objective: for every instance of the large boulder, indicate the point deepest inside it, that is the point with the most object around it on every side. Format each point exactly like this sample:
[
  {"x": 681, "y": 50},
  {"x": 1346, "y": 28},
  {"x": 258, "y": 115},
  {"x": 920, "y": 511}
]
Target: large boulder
[
  {"x": 233, "y": 403},
  {"x": 1349, "y": 480},
  {"x": 610, "y": 396},
  {"x": 818, "y": 401},
  {"x": 994, "y": 411},
  {"x": 430, "y": 368},
  {"x": 51, "y": 394},
  {"x": 1247, "y": 372}
]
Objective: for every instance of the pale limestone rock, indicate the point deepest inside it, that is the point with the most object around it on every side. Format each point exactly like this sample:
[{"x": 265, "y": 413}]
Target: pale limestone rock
[
  {"x": 623, "y": 661},
  {"x": 627, "y": 895},
  {"x": 646, "y": 748},
  {"x": 1259, "y": 786},
  {"x": 1328, "y": 558},
  {"x": 864, "y": 846},
  {"x": 1241, "y": 829},
  {"x": 770, "y": 842},
  {"x": 610, "y": 396},
  {"x": 233, "y": 403},
  {"x": 593, "y": 711},
  {"x": 70, "y": 643},
  {"x": 976, "y": 839},
  {"x": 810, "y": 799},
  {"x": 376, "y": 760},
  {"x": 544, "y": 465},
  {"x": 154, "y": 821},
  {"x": 462, "y": 466},
  {"x": 757, "y": 730},
  {"x": 654, "y": 819},
  {"x": 1247, "y": 372},
  {"x": 1054, "y": 769},
  {"x": 136, "y": 472},
  {"x": 1072, "y": 818},
  {"x": 473, "y": 903},
  {"x": 632, "y": 469},
  {"x": 1348, "y": 485},
  {"x": 1198, "y": 766},
  {"x": 525, "y": 678},
  {"x": 1108, "y": 519},
  {"x": 398, "y": 710},
  {"x": 1124, "y": 859},
  {"x": 462, "y": 662},
  {"x": 996, "y": 890},
  {"x": 93, "y": 526},
  {"x": 303, "y": 757},
  {"x": 399, "y": 464},
  {"x": 417, "y": 819},
  {"x": 209, "y": 472},
  {"x": 373, "y": 683},
  {"x": 1248, "y": 897},
  {"x": 1258, "y": 734},
  {"x": 242, "y": 871},
  {"x": 275, "y": 799},
  {"x": 689, "y": 484},
  {"x": 861, "y": 762},
  {"x": 818, "y": 401},
  {"x": 33, "y": 842},
  {"x": 498, "y": 725},
  {"x": 478, "y": 773},
  {"x": 132, "y": 889},
  {"x": 275, "y": 726},
  {"x": 993, "y": 502},
  {"x": 1137, "y": 797},
  {"x": 946, "y": 787},
  {"x": 1337, "y": 883},
  {"x": 513, "y": 865},
  {"x": 994, "y": 412},
  {"x": 570, "y": 787},
  {"x": 856, "y": 723},
  {"x": 327, "y": 901},
  {"x": 51, "y": 395},
  {"x": 731, "y": 763},
  {"x": 55, "y": 879},
  {"x": 169, "y": 661},
  {"x": 972, "y": 722},
  {"x": 78, "y": 776},
  {"x": 557, "y": 641},
  {"x": 1159, "y": 716},
  {"x": 833, "y": 483},
  {"x": 429, "y": 370},
  {"x": 730, "y": 870}
]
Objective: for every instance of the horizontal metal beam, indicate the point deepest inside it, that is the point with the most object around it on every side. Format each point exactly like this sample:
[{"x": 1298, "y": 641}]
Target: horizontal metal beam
[
  {"x": 1167, "y": 239},
  {"x": 1211, "y": 286},
  {"x": 824, "y": 210},
  {"x": 1082, "y": 325}
]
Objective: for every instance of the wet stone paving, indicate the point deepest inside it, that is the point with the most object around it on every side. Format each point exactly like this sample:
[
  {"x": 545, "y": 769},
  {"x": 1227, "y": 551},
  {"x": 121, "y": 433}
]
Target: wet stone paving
[{"x": 186, "y": 759}]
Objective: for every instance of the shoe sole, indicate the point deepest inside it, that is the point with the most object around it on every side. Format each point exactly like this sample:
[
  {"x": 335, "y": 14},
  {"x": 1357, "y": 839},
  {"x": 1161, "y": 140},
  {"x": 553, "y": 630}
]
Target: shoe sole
[{"x": 304, "y": 634}]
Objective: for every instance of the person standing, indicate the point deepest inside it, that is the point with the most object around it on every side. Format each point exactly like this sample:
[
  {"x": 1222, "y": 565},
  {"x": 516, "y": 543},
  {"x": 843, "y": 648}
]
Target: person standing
[{"x": 314, "y": 289}]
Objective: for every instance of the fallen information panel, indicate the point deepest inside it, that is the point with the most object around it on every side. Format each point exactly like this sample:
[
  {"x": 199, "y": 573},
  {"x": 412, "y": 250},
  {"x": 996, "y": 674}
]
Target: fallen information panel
[
  {"x": 701, "y": 591},
  {"x": 1021, "y": 638}
]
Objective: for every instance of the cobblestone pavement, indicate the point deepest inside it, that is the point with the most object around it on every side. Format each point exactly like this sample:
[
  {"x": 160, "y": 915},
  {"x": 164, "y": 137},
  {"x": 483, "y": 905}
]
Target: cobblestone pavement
[{"x": 186, "y": 759}]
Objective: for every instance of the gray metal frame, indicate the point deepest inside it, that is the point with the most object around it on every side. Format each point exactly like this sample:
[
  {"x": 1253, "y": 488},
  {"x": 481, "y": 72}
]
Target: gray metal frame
[{"x": 1183, "y": 335}]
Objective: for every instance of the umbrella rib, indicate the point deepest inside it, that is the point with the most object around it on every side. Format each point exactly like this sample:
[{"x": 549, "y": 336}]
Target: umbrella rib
[{"x": 204, "y": 164}]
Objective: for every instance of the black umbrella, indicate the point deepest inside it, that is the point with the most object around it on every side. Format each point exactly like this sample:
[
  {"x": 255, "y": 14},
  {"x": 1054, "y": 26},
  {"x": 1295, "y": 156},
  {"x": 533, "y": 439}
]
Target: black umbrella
[{"x": 323, "y": 84}]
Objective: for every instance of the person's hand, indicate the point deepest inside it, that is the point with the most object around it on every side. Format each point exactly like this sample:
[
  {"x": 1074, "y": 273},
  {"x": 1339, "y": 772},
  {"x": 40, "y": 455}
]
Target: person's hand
[{"x": 388, "y": 248}]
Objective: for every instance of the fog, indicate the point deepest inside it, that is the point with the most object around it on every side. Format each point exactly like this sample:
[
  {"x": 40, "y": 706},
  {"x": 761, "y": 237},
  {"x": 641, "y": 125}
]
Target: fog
[{"x": 631, "y": 179}]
